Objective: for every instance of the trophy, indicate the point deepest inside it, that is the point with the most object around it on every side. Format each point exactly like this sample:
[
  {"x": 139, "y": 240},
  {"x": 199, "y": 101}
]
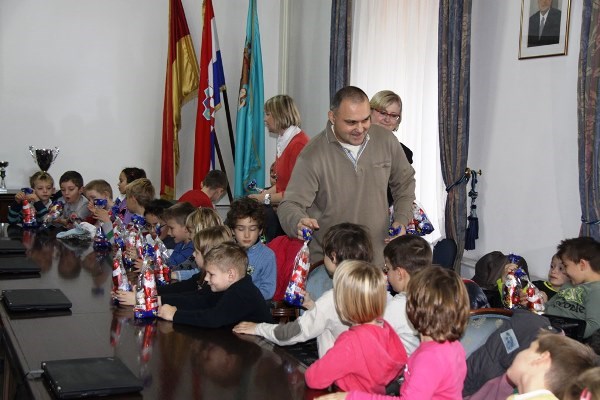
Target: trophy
[
  {"x": 3, "y": 165},
  {"x": 44, "y": 157}
]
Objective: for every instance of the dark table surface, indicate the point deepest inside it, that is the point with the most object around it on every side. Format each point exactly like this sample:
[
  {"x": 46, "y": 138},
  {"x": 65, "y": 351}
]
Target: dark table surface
[{"x": 173, "y": 361}]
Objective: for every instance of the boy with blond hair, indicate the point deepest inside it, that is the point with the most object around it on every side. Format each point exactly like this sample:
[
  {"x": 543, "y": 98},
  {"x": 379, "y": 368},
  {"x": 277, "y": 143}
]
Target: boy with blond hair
[
  {"x": 175, "y": 217},
  {"x": 233, "y": 296},
  {"x": 43, "y": 190},
  {"x": 139, "y": 194}
]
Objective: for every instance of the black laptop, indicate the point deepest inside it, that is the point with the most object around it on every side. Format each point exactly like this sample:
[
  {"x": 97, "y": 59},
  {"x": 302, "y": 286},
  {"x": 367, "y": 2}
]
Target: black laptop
[
  {"x": 18, "y": 300},
  {"x": 18, "y": 265},
  {"x": 11, "y": 247},
  {"x": 88, "y": 377}
]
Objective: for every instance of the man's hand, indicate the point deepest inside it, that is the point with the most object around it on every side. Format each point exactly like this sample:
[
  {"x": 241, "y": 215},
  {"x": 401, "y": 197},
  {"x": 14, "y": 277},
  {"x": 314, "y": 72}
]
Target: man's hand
[
  {"x": 396, "y": 225},
  {"x": 309, "y": 223},
  {"x": 249, "y": 328},
  {"x": 167, "y": 312}
]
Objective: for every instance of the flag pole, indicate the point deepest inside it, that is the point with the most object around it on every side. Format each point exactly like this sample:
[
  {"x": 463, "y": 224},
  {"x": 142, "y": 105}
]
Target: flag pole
[
  {"x": 220, "y": 157},
  {"x": 229, "y": 124}
]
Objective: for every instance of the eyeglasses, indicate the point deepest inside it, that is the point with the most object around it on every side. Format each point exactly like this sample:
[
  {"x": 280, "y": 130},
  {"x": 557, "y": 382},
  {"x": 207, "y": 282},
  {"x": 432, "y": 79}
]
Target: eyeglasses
[
  {"x": 393, "y": 117},
  {"x": 386, "y": 269}
]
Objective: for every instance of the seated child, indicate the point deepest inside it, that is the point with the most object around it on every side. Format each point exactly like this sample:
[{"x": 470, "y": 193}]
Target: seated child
[
  {"x": 359, "y": 290},
  {"x": 233, "y": 296},
  {"x": 75, "y": 204},
  {"x": 213, "y": 187},
  {"x": 579, "y": 299},
  {"x": 41, "y": 198},
  {"x": 548, "y": 366},
  {"x": 556, "y": 278},
  {"x": 154, "y": 218},
  {"x": 175, "y": 217},
  {"x": 438, "y": 307},
  {"x": 404, "y": 256},
  {"x": 246, "y": 219},
  {"x": 203, "y": 241},
  {"x": 139, "y": 194},
  {"x": 99, "y": 189},
  {"x": 320, "y": 279},
  {"x": 344, "y": 241},
  {"x": 196, "y": 221},
  {"x": 127, "y": 176}
]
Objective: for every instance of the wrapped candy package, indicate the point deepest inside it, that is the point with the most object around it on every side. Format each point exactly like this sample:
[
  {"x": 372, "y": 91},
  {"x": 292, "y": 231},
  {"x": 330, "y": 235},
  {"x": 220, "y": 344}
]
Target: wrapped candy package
[{"x": 294, "y": 294}]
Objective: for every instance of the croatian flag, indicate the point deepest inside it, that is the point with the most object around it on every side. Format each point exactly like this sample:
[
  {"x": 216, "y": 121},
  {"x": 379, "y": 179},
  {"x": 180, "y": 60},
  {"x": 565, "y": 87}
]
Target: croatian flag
[{"x": 212, "y": 81}]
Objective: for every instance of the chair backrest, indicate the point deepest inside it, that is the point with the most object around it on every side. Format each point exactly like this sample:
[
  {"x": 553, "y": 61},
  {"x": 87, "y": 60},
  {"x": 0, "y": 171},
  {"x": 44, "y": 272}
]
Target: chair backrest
[
  {"x": 285, "y": 250},
  {"x": 444, "y": 253},
  {"x": 482, "y": 323}
]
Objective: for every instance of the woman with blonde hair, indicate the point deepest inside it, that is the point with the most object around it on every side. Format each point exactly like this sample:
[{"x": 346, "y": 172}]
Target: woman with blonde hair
[
  {"x": 386, "y": 111},
  {"x": 283, "y": 119}
]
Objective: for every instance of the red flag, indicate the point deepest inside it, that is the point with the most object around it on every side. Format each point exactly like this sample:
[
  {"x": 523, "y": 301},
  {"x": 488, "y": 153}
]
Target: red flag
[
  {"x": 212, "y": 79},
  {"x": 181, "y": 85}
]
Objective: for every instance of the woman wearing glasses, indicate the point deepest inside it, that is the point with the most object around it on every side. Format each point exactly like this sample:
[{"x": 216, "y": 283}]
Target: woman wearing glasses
[{"x": 386, "y": 111}]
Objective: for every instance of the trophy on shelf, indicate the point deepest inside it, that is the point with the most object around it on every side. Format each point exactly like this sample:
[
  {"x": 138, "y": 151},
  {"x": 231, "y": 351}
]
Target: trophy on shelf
[
  {"x": 44, "y": 157},
  {"x": 3, "y": 165}
]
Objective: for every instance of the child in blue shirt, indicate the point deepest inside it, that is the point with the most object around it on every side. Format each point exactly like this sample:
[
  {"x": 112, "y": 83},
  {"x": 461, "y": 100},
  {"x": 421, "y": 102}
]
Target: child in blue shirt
[
  {"x": 246, "y": 219},
  {"x": 197, "y": 221},
  {"x": 175, "y": 217}
]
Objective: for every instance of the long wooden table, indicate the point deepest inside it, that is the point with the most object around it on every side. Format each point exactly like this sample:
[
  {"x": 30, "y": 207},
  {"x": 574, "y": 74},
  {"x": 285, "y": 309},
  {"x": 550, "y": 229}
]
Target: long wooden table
[{"x": 174, "y": 361}]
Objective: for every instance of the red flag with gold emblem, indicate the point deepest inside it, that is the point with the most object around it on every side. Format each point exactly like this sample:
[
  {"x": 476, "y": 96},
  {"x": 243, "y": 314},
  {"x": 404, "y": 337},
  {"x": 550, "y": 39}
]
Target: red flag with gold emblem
[{"x": 181, "y": 85}]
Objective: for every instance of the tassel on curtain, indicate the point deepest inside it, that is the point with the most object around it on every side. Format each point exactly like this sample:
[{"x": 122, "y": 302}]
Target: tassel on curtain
[
  {"x": 588, "y": 119},
  {"x": 340, "y": 45},
  {"x": 454, "y": 54}
]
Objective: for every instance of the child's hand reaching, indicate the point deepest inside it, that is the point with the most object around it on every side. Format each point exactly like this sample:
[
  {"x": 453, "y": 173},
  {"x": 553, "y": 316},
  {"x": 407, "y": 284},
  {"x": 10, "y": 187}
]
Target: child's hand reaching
[
  {"x": 249, "y": 328},
  {"x": 308, "y": 302},
  {"x": 19, "y": 197},
  {"x": 126, "y": 298}
]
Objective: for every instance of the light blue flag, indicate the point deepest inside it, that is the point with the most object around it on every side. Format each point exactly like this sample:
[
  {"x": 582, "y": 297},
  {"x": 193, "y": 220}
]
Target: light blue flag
[{"x": 250, "y": 125}]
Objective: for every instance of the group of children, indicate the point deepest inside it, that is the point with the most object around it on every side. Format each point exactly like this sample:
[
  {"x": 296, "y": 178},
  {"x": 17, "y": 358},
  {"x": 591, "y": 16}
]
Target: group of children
[{"x": 369, "y": 342}]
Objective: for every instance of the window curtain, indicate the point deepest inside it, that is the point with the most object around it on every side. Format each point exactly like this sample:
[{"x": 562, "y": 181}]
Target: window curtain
[
  {"x": 340, "y": 45},
  {"x": 588, "y": 116},
  {"x": 454, "y": 47},
  {"x": 394, "y": 47}
]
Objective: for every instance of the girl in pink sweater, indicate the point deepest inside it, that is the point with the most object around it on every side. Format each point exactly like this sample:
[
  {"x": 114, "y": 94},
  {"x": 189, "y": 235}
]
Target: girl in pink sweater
[
  {"x": 438, "y": 307},
  {"x": 370, "y": 354}
]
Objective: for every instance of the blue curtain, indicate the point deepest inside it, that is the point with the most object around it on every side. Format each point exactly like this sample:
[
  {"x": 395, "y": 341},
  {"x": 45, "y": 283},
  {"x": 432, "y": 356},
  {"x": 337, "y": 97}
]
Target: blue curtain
[
  {"x": 340, "y": 45},
  {"x": 588, "y": 118},
  {"x": 454, "y": 58}
]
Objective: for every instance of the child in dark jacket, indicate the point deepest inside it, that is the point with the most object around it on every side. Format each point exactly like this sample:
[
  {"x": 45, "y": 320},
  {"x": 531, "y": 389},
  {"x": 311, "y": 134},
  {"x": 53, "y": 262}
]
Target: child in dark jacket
[{"x": 233, "y": 296}]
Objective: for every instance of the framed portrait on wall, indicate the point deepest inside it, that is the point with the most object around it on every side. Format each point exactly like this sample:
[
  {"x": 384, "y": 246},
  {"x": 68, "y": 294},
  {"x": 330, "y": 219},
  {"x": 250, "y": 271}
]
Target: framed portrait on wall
[{"x": 544, "y": 28}]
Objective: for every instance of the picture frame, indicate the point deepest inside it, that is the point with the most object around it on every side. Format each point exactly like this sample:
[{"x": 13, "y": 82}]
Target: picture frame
[{"x": 552, "y": 39}]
